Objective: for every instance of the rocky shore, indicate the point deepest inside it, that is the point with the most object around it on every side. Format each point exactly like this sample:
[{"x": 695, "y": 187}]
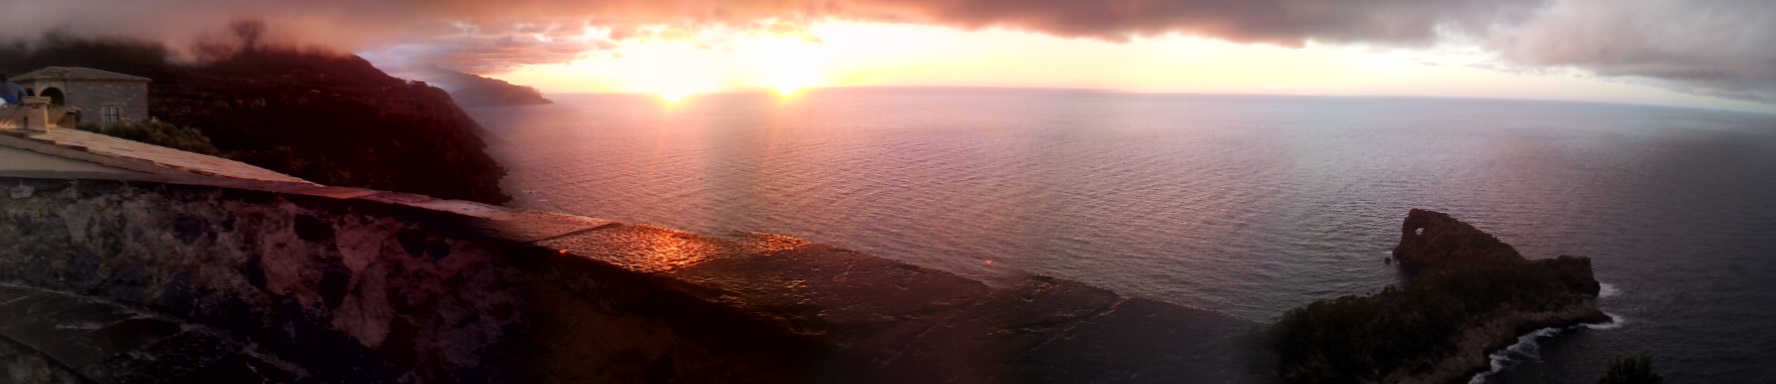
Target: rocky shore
[{"x": 1470, "y": 295}]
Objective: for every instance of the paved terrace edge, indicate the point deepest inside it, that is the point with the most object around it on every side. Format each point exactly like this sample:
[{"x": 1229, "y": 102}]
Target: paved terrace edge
[{"x": 676, "y": 305}]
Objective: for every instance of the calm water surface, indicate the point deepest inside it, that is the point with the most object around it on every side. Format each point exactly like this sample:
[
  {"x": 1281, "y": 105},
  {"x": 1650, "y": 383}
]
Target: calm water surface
[{"x": 1244, "y": 205}]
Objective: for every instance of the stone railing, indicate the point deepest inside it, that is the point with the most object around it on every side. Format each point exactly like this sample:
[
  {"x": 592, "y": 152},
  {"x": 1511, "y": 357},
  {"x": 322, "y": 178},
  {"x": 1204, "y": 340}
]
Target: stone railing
[
  {"x": 350, "y": 285},
  {"x": 36, "y": 115}
]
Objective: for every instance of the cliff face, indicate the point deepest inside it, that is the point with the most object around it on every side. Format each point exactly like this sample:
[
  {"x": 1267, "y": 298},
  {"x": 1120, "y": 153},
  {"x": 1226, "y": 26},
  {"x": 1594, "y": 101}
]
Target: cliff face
[
  {"x": 1470, "y": 295},
  {"x": 1434, "y": 240},
  {"x": 329, "y": 118},
  {"x": 1429, "y": 239}
]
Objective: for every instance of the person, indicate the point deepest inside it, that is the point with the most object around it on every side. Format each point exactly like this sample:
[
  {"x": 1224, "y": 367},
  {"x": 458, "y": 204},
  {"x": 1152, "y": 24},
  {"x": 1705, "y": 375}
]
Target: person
[{"x": 9, "y": 92}]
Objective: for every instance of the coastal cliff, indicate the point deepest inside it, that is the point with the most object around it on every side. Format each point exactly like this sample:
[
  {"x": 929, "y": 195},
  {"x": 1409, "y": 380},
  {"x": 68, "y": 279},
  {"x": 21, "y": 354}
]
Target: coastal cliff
[
  {"x": 476, "y": 91},
  {"x": 1469, "y": 295},
  {"x": 325, "y": 117}
]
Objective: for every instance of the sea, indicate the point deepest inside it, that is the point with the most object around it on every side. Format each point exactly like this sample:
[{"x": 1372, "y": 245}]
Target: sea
[{"x": 1245, "y": 205}]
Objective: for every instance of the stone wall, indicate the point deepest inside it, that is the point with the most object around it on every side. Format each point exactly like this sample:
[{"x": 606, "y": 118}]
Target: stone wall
[
  {"x": 91, "y": 96},
  {"x": 350, "y": 285}
]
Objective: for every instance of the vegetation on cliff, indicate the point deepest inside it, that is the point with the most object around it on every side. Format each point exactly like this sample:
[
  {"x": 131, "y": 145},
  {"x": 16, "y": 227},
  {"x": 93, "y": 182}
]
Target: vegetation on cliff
[
  {"x": 158, "y": 133},
  {"x": 322, "y": 116},
  {"x": 1411, "y": 332}
]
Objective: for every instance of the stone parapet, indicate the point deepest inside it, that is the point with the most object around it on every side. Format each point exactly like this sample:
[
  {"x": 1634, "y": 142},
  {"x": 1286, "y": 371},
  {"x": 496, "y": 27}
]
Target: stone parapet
[{"x": 331, "y": 284}]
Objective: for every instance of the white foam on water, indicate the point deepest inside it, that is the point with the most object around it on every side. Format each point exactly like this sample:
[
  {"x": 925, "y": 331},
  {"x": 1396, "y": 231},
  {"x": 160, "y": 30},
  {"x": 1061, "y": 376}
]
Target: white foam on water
[
  {"x": 1607, "y": 290},
  {"x": 1524, "y": 350},
  {"x": 1527, "y": 350},
  {"x": 1616, "y": 321}
]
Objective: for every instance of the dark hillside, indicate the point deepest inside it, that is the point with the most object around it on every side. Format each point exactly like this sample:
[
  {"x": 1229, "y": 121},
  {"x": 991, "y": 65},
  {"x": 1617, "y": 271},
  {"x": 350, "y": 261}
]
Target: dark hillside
[
  {"x": 330, "y": 118},
  {"x": 476, "y": 91}
]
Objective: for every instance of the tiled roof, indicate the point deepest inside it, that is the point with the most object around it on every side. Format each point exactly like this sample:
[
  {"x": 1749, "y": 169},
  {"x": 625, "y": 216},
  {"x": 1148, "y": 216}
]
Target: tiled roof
[{"x": 75, "y": 73}]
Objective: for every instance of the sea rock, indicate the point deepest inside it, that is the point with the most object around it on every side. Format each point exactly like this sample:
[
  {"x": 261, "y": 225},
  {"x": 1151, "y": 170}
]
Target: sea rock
[
  {"x": 1435, "y": 240},
  {"x": 1469, "y": 295},
  {"x": 1575, "y": 272},
  {"x": 1430, "y": 238}
]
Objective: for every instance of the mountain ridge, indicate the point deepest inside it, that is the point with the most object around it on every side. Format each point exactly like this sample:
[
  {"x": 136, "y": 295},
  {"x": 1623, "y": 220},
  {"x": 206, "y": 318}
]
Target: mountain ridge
[{"x": 330, "y": 118}]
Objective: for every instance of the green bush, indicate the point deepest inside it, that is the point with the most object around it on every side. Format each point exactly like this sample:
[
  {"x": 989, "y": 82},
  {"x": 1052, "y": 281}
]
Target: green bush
[
  {"x": 1631, "y": 371},
  {"x": 158, "y": 133}
]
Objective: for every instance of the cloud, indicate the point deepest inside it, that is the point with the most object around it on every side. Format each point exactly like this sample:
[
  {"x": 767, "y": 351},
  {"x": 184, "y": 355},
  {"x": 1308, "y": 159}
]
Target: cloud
[
  {"x": 1717, "y": 47},
  {"x": 1712, "y": 47}
]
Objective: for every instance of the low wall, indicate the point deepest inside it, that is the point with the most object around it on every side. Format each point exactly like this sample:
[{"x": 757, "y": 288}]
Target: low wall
[{"x": 349, "y": 285}]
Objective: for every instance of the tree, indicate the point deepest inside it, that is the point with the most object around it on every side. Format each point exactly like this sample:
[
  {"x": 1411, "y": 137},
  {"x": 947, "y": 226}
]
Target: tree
[
  {"x": 249, "y": 32},
  {"x": 1631, "y": 371}
]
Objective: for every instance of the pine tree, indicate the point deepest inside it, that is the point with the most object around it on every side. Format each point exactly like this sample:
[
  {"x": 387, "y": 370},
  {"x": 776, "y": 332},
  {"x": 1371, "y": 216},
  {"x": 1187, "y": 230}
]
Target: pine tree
[{"x": 1631, "y": 371}]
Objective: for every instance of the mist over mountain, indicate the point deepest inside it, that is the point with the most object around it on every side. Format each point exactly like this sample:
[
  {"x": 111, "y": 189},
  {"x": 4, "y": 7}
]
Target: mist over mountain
[
  {"x": 323, "y": 116},
  {"x": 472, "y": 90}
]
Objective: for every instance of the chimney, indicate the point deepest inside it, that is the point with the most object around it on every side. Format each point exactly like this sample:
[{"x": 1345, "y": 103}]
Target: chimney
[{"x": 38, "y": 118}]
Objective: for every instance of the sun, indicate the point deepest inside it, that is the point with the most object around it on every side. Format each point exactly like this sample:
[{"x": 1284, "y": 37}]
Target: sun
[
  {"x": 790, "y": 84},
  {"x": 672, "y": 97},
  {"x": 677, "y": 70},
  {"x": 786, "y": 65},
  {"x": 788, "y": 89}
]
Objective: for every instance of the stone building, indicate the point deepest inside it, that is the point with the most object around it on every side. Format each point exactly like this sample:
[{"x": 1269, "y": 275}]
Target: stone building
[{"x": 102, "y": 97}]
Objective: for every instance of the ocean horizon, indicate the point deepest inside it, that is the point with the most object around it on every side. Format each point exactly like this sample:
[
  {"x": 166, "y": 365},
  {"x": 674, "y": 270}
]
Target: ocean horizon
[{"x": 1240, "y": 204}]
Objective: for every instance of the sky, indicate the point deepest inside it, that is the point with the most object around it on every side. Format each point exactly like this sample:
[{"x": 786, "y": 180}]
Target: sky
[{"x": 1701, "y": 53}]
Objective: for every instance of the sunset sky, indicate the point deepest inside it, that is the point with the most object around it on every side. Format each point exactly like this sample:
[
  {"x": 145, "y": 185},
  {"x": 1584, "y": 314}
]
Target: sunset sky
[{"x": 1709, "y": 53}]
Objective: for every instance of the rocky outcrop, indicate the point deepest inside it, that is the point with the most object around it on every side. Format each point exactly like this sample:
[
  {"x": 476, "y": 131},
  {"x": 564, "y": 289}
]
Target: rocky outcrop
[
  {"x": 1433, "y": 240},
  {"x": 1470, "y": 295},
  {"x": 1430, "y": 239},
  {"x": 1574, "y": 272}
]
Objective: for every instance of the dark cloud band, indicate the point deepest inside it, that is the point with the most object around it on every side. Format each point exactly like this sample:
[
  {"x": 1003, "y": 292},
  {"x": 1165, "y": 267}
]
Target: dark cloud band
[{"x": 1716, "y": 47}]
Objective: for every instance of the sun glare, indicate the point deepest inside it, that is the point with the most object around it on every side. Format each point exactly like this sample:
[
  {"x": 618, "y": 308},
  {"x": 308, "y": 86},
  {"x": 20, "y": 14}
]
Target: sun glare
[
  {"x": 790, "y": 86},
  {"x": 873, "y": 54},
  {"x": 787, "y": 65},
  {"x": 677, "y": 70},
  {"x": 671, "y": 70}
]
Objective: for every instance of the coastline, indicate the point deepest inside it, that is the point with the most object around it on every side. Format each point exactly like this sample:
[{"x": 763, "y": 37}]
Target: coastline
[
  {"x": 1469, "y": 297},
  {"x": 1480, "y": 340},
  {"x": 1528, "y": 341},
  {"x": 1480, "y": 343}
]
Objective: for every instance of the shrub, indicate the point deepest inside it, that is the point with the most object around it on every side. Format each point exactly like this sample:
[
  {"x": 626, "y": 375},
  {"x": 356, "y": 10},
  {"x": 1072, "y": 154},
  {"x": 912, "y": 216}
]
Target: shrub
[
  {"x": 158, "y": 133},
  {"x": 1631, "y": 371}
]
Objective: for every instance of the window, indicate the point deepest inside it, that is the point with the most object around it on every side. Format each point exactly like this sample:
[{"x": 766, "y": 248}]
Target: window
[{"x": 110, "y": 114}]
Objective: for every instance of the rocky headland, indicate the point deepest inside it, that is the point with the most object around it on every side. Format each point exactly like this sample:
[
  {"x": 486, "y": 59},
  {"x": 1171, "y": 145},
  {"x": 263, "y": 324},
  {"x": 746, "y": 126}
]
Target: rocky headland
[
  {"x": 1469, "y": 295},
  {"x": 477, "y": 91},
  {"x": 326, "y": 117}
]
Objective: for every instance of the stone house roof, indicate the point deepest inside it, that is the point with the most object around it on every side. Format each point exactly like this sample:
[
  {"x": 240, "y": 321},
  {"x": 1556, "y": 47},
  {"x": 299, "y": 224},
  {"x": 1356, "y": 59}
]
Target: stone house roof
[{"x": 76, "y": 73}]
